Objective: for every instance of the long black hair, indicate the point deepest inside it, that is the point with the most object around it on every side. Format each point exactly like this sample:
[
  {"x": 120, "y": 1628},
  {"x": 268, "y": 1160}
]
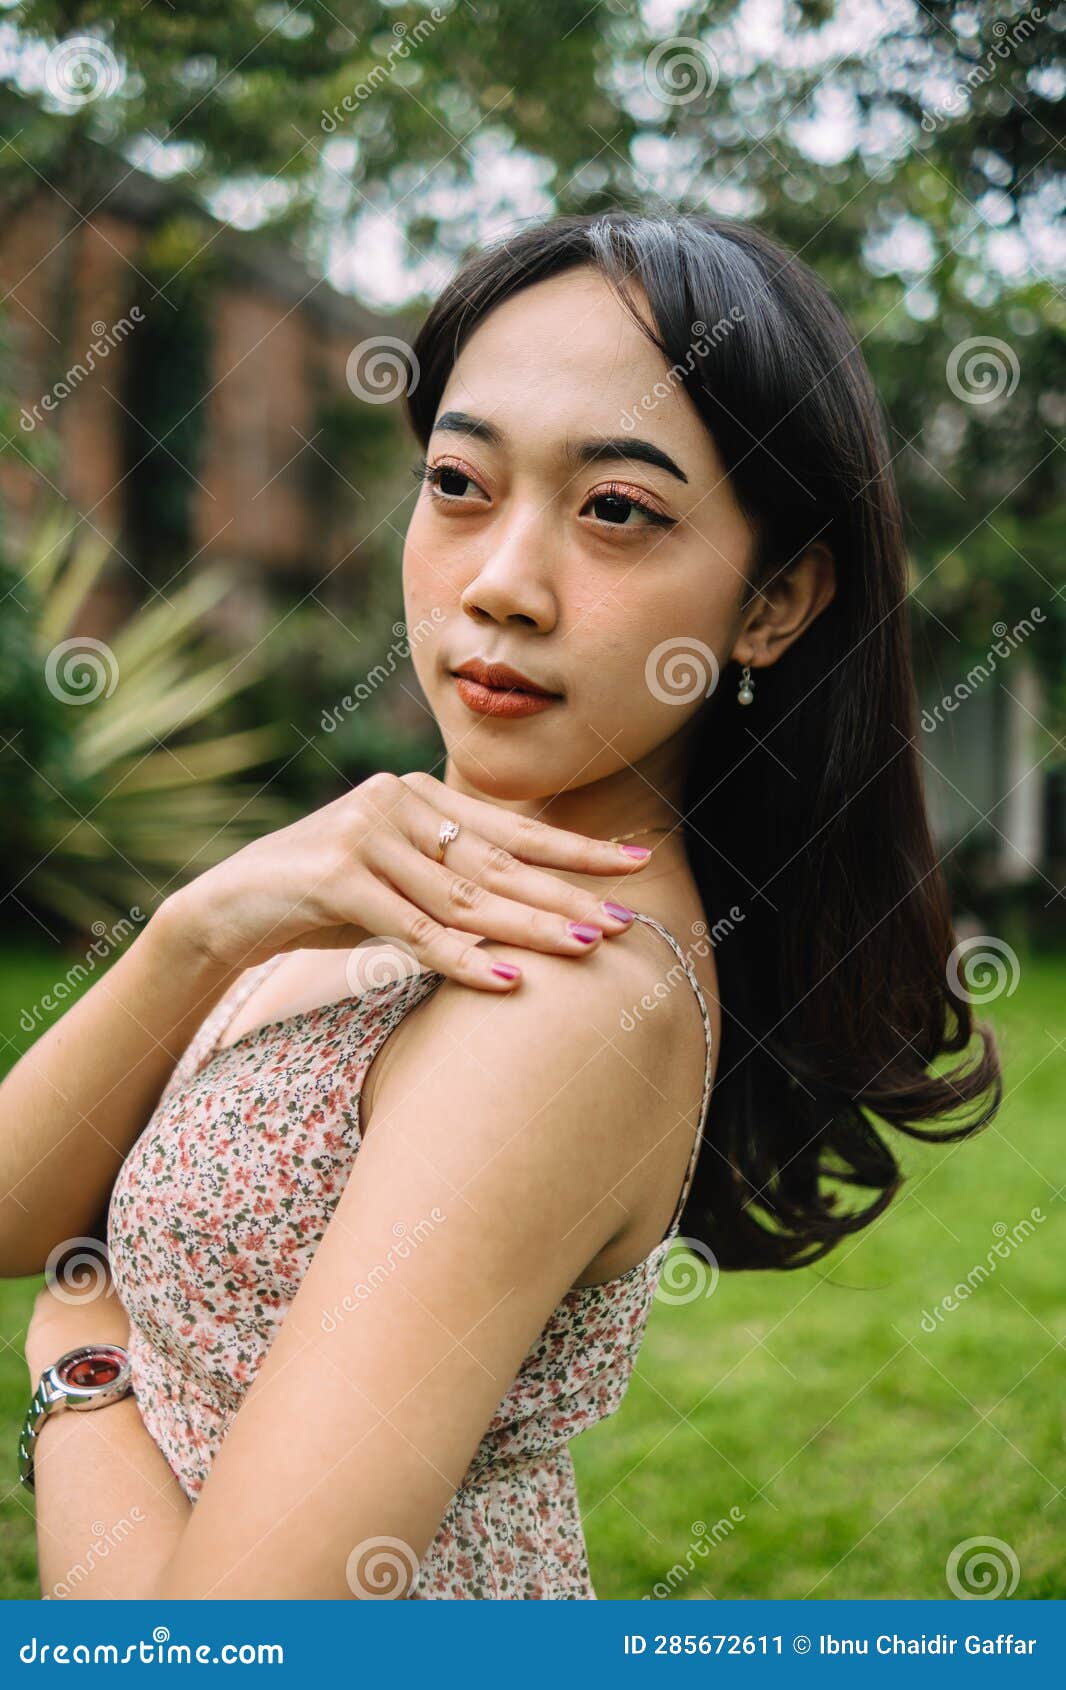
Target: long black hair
[{"x": 805, "y": 809}]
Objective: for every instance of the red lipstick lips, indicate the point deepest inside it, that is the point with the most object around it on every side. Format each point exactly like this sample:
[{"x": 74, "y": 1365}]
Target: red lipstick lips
[{"x": 495, "y": 689}]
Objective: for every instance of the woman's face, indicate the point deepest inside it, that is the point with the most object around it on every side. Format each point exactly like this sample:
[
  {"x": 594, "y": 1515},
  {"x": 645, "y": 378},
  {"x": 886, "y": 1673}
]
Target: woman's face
[{"x": 545, "y": 540}]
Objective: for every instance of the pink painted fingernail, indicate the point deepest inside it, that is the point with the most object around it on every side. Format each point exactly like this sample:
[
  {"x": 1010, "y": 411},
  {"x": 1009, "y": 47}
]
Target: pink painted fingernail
[
  {"x": 506, "y": 970},
  {"x": 636, "y": 850},
  {"x": 581, "y": 930},
  {"x": 619, "y": 911}
]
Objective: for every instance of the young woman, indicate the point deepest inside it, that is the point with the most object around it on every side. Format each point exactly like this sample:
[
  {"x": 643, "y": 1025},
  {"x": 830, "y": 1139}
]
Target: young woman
[{"x": 406, "y": 1102}]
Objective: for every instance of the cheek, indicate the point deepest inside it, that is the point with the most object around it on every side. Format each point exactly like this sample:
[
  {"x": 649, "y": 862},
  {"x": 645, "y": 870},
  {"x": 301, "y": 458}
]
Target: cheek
[
  {"x": 654, "y": 659},
  {"x": 416, "y": 565},
  {"x": 429, "y": 606},
  {"x": 676, "y": 624},
  {"x": 429, "y": 588},
  {"x": 617, "y": 712}
]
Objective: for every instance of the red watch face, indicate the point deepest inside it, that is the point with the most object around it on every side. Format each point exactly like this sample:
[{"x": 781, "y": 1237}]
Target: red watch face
[{"x": 102, "y": 1367}]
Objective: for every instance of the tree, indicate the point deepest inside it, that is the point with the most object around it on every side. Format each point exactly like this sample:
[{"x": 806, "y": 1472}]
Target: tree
[{"x": 910, "y": 152}]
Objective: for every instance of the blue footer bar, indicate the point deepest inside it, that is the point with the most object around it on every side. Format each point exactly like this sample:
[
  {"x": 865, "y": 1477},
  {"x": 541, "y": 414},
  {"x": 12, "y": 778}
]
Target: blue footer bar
[{"x": 542, "y": 1646}]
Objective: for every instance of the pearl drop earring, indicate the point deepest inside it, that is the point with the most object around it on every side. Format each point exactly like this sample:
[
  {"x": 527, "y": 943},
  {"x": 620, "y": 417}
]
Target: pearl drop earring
[{"x": 746, "y": 690}]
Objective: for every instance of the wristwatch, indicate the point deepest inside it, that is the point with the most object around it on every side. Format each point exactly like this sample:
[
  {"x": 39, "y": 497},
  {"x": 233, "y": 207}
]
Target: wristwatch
[{"x": 91, "y": 1376}]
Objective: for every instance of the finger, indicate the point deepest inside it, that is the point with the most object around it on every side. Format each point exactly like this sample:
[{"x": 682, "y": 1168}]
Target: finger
[
  {"x": 492, "y": 867},
  {"x": 524, "y": 836},
  {"x": 393, "y": 916},
  {"x": 459, "y": 902}
]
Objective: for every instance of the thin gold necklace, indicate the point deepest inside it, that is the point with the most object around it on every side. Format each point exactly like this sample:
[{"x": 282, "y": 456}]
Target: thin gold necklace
[{"x": 617, "y": 838}]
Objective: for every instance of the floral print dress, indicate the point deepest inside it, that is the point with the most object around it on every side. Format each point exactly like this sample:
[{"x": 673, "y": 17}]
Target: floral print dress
[{"x": 214, "y": 1218}]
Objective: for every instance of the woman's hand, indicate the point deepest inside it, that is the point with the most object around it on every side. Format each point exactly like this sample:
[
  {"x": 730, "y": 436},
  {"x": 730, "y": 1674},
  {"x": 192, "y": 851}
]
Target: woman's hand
[
  {"x": 64, "y": 1318},
  {"x": 364, "y": 866}
]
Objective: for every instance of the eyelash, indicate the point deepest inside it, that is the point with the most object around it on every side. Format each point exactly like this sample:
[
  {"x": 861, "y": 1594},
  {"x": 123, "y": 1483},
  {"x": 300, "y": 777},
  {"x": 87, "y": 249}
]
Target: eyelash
[{"x": 426, "y": 474}]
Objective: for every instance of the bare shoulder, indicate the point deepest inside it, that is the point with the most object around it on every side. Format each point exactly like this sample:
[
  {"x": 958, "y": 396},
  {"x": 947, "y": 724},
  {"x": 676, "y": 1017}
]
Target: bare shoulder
[
  {"x": 569, "y": 1017},
  {"x": 565, "y": 1084}
]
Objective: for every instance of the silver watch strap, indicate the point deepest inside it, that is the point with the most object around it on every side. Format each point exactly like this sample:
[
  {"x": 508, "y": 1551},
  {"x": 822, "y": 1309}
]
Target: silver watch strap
[
  {"x": 41, "y": 1404},
  {"x": 54, "y": 1391}
]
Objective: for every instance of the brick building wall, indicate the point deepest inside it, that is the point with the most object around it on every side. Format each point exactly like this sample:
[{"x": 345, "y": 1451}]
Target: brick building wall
[{"x": 279, "y": 342}]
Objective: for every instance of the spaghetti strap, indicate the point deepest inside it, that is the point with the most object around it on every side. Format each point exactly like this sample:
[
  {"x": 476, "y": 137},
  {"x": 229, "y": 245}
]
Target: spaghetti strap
[
  {"x": 206, "y": 1043},
  {"x": 707, "y": 1070}
]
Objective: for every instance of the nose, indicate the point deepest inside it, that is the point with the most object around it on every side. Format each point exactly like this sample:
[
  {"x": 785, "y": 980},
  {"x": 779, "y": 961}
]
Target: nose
[{"x": 513, "y": 585}]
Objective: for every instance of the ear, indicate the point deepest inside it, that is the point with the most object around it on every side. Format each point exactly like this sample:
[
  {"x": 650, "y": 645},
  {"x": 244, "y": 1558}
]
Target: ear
[{"x": 785, "y": 606}]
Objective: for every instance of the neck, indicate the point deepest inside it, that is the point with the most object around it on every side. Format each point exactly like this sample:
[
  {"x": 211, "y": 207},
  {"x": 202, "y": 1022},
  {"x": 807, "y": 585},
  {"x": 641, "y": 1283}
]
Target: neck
[
  {"x": 633, "y": 799},
  {"x": 630, "y": 801}
]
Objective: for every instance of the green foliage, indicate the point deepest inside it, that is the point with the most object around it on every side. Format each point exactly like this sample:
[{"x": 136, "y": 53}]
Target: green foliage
[
  {"x": 902, "y": 176},
  {"x": 36, "y": 727},
  {"x": 312, "y": 659},
  {"x": 116, "y": 794}
]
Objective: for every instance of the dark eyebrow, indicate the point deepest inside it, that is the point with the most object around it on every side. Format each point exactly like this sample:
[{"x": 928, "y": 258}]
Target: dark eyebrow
[{"x": 620, "y": 447}]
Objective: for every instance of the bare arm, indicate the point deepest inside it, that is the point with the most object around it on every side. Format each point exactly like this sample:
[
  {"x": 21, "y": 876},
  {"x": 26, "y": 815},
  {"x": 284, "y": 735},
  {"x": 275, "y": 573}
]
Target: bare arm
[
  {"x": 76, "y": 1101},
  {"x": 110, "y": 1512},
  {"x": 360, "y": 1430}
]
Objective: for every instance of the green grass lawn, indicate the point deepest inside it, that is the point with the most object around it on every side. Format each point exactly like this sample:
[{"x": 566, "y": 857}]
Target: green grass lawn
[
  {"x": 804, "y": 1428},
  {"x": 856, "y": 1448}
]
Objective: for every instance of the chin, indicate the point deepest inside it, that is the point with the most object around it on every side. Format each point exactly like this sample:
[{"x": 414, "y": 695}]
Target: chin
[{"x": 508, "y": 781}]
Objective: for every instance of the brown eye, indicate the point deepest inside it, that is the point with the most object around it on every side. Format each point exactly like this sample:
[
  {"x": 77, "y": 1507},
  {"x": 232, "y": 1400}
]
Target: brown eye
[
  {"x": 615, "y": 505},
  {"x": 611, "y": 507},
  {"x": 449, "y": 482}
]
